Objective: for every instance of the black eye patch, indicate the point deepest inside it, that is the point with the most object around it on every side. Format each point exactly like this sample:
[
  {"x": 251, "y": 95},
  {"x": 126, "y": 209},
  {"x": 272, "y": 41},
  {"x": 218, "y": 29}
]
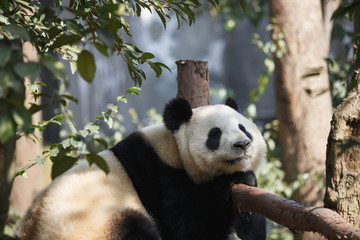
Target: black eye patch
[
  {"x": 243, "y": 129},
  {"x": 213, "y": 140}
]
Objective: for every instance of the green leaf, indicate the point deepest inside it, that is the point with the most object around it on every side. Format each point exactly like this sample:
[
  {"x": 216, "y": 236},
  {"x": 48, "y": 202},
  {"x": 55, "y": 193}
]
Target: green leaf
[
  {"x": 16, "y": 31},
  {"x": 343, "y": 10},
  {"x": 29, "y": 69},
  {"x": 92, "y": 128},
  {"x": 107, "y": 37},
  {"x": 61, "y": 164},
  {"x": 243, "y": 4},
  {"x": 163, "y": 65},
  {"x": 138, "y": 10},
  {"x": 99, "y": 161},
  {"x": 146, "y": 56},
  {"x": 162, "y": 16},
  {"x": 5, "y": 49},
  {"x": 40, "y": 160},
  {"x": 109, "y": 120},
  {"x": 35, "y": 108},
  {"x": 121, "y": 99},
  {"x": 65, "y": 40},
  {"x": 191, "y": 4},
  {"x": 55, "y": 67},
  {"x": 21, "y": 117},
  {"x": 214, "y": 2},
  {"x": 9, "y": 81},
  {"x": 157, "y": 69},
  {"x": 54, "y": 31},
  {"x": 134, "y": 90},
  {"x": 86, "y": 65},
  {"x": 7, "y": 127},
  {"x": 69, "y": 97},
  {"x": 101, "y": 48}
]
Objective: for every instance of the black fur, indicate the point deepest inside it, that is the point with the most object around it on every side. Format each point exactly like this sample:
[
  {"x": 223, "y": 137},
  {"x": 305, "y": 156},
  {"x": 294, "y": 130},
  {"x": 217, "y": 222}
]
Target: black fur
[
  {"x": 176, "y": 112},
  {"x": 243, "y": 129},
  {"x": 250, "y": 225},
  {"x": 182, "y": 209},
  {"x": 213, "y": 140},
  {"x": 232, "y": 103},
  {"x": 133, "y": 225}
]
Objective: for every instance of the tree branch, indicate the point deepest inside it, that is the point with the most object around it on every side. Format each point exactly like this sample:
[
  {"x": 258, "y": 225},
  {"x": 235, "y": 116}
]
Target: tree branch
[{"x": 292, "y": 214}]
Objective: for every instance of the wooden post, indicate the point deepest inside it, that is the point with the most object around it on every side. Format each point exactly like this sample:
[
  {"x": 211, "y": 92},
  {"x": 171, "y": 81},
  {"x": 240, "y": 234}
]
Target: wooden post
[{"x": 193, "y": 82}]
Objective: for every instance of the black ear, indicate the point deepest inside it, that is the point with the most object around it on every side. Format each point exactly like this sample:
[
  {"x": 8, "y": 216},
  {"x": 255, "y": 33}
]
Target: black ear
[
  {"x": 176, "y": 112},
  {"x": 232, "y": 103}
]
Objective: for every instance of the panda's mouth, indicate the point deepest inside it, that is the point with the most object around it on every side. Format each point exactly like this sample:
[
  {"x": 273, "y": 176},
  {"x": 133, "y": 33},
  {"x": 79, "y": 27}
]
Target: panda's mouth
[{"x": 237, "y": 160}]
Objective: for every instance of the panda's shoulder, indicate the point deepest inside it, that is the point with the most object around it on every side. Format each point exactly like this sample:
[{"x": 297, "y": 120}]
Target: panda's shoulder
[{"x": 133, "y": 142}]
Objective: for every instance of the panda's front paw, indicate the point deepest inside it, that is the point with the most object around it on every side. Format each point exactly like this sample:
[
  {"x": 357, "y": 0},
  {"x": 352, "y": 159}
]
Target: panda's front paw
[{"x": 247, "y": 178}]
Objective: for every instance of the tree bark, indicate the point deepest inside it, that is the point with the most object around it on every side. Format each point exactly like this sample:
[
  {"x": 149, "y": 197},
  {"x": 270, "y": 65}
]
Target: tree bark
[
  {"x": 193, "y": 82},
  {"x": 24, "y": 190},
  {"x": 303, "y": 102},
  {"x": 292, "y": 214},
  {"x": 343, "y": 150}
]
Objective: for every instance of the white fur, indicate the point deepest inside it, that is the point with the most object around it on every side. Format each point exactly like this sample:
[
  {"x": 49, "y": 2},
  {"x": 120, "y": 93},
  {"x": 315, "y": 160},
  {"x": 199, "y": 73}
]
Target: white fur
[
  {"x": 164, "y": 143},
  {"x": 80, "y": 203},
  {"x": 203, "y": 164}
]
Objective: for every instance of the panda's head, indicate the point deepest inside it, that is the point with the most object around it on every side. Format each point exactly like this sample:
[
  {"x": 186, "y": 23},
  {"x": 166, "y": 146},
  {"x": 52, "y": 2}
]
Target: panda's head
[{"x": 214, "y": 140}]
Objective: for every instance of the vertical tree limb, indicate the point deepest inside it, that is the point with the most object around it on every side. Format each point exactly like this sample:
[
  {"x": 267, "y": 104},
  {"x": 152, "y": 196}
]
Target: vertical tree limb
[
  {"x": 193, "y": 82},
  {"x": 343, "y": 149}
]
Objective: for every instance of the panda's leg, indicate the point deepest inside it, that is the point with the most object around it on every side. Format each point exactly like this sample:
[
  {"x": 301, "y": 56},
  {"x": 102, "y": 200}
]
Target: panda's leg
[
  {"x": 249, "y": 225},
  {"x": 133, "y": 224}
]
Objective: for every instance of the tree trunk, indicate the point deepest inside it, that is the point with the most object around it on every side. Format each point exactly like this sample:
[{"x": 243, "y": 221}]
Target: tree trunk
[
  {"x": 15, "y": 154},
  {"x": 343, "y": 150},
  {"x": 24, "y": 190},
  {"x": 193, "y": 82},
  {"x": 303, "y": 102}
]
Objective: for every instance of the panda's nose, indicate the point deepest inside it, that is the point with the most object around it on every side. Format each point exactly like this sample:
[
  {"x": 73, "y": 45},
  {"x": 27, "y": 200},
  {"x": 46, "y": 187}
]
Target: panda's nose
[{"x": 242, "y": 145}]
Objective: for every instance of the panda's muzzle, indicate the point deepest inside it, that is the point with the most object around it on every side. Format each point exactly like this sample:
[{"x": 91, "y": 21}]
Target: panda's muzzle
[
  {"x": 237, "y": 160},
  {"x": 242, "y": 145}
]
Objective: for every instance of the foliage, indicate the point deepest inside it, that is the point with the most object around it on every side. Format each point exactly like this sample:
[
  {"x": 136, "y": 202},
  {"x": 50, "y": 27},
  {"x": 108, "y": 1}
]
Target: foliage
[
  {"x": 274, "y": 48},
  {"x": 338, "y": 73},
  {"x": 253, "y": 10},
  {"x": 66, "y": 29},
  {"x": 345, "y": 14},
  {"x": 13, "y": 218},
  {"x": 346, "y": 9},
  {"x": 98, "y": 23}
]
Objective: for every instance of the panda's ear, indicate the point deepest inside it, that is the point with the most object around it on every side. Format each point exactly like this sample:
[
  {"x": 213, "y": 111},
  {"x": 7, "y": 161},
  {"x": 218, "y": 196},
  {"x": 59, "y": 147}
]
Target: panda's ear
[
  {"x": 176, "y": 112},
  {"x": 232, "y": 103}
]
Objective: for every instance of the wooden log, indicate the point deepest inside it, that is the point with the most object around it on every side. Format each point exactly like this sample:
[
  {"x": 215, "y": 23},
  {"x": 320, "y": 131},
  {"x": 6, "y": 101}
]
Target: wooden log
[
  {"x": 292, "y": 214},
  {"x": 193, "y": 82}
]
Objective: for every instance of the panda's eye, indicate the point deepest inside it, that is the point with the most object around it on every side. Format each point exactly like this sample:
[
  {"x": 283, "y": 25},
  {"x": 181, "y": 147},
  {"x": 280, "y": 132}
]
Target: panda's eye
[
  {"x": 243, "y": 129},
  {"x": 215, "y": 133},
  {"x": 213, "y": 140}
]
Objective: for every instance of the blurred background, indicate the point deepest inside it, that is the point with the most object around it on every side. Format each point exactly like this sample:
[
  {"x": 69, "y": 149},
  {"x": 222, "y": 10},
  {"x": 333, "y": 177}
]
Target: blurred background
[{"x": 286, "y": 63}]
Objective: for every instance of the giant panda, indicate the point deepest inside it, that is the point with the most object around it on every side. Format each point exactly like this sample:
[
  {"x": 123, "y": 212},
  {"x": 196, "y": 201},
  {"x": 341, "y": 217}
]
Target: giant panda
[{"x": 170, "y": 181}]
